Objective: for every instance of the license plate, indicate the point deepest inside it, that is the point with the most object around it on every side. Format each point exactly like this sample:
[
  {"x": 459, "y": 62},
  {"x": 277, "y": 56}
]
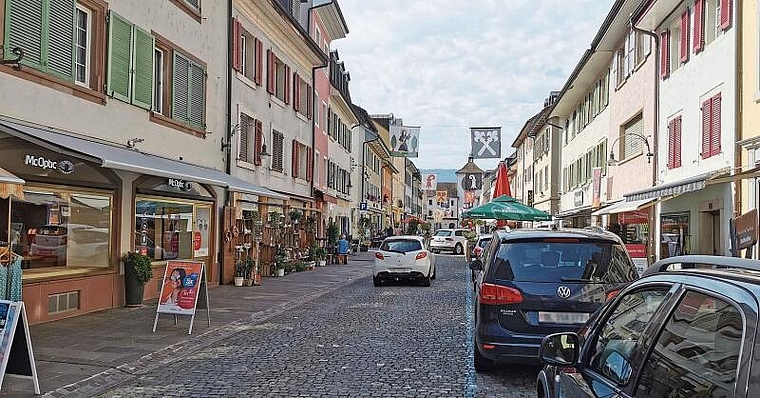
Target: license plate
[
  {"x": 563, "y": 317},
  {"x": 399, "y": 270}
]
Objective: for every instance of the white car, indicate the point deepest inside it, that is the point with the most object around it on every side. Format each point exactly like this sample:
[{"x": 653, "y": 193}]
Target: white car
[
  {"x": 403, "y": 257},
  {"x": 449, "y": 239}
]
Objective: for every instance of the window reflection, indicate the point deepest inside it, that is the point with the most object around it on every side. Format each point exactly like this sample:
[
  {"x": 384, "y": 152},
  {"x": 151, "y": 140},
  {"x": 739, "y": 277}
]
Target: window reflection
[{"x": 164, "y": 230}]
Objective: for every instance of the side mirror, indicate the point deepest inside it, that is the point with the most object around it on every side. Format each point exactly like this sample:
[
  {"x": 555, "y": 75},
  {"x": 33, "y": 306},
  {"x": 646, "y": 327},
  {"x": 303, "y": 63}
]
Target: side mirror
[
  {"x": 476, "y": 265},
  {"x": 560, "y": 349}
]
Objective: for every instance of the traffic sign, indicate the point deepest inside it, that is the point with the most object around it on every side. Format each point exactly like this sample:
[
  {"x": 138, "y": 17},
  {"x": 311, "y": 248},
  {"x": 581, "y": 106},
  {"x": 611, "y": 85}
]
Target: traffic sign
[{"x": 363, "y": 206}]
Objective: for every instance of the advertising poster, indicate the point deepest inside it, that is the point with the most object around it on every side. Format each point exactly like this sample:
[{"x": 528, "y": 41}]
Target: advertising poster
[
  {"x": 179, "y": 293},
  {"x": 201, "y": 233},
  {"x": 8, "y": 315},
  {"x": 405, "y": 141}
]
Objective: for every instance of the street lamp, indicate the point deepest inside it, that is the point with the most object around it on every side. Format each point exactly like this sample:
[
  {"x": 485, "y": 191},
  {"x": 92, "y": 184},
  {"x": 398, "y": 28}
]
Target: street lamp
[{"x": 614, "y": 162}]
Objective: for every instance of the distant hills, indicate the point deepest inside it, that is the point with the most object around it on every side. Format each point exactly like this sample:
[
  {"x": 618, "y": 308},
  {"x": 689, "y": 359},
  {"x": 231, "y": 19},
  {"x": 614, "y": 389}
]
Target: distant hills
[{"x": 444, "y": 175}]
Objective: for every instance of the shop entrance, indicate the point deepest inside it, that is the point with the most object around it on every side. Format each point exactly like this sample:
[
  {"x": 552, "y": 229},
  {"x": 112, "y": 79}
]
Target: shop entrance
[{"x": 710, "y": 240}]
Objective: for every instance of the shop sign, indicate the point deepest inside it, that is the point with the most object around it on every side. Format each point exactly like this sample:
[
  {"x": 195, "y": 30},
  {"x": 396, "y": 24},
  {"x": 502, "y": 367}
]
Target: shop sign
[
  {"x": 634, "y": 217},
  {"x": 636, "y": 250},
  {"x": 578, "y": 199},
  {"x": 63, "y": 166},
  {"x": 745, "y": 231},
  {"x": 180, "y": 184},
  {"x": 16, "y": 356}
]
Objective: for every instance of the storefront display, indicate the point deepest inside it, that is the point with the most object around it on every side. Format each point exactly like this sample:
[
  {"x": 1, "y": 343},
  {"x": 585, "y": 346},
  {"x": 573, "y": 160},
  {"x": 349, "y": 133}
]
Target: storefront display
[{"x": 675, "y": 238}]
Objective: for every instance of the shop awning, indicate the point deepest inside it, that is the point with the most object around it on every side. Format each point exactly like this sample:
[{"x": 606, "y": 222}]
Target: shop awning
[
  {"x": 679, "y": 187},
  {"x": 625, "y": 206},
  {"x": 10, "y": 185},
  {"x": 751, "y": 173},
  {"x": 123, "y": 158},
  {"x": 573, "y": 212}
]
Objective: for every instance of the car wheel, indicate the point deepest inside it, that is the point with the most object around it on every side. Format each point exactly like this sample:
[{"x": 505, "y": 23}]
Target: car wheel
[
  {"x": 482, "y": 364},
  {"x": 426, "y": 280},
  {"x": 458, "y": 249},
  {"x": 434, "y": 272},
  {"x": 376, "y": 281}
]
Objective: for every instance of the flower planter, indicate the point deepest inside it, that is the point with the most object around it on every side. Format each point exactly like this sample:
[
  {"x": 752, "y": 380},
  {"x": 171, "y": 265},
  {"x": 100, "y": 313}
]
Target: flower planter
[
  {"x": 239, "y": 281},
  {"x": 247, "y": 282},
  {"x": 322, "y": 263}
]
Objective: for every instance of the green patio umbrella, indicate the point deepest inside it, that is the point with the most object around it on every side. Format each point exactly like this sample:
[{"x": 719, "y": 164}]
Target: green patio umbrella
[{"x": 507, "y": 208}]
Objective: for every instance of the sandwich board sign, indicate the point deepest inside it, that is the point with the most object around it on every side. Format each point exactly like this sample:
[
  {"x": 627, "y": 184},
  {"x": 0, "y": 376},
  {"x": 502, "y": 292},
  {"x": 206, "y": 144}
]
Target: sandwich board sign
[
  {"x": 16, "y": 356},
  {"x": 180, "y": 291}
]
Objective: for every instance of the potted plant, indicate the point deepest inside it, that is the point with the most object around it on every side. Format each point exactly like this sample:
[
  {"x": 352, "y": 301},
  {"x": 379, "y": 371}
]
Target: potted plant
[
  {"x": 280, "y": 259},
  {"x": 137, "y": 272},
  {"x": 239, "y": 272},
  {"x": 321, "y": 255},
  {"x": 248, "y": 278},
  {"x": 311, "y": 257}
]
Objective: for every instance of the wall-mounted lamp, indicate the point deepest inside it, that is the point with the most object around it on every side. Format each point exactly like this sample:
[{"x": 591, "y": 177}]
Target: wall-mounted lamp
[
  {"x": 16, "y": 62},
  {"x": 614, "y": 162},
  {"x": 134, "y": 141}
]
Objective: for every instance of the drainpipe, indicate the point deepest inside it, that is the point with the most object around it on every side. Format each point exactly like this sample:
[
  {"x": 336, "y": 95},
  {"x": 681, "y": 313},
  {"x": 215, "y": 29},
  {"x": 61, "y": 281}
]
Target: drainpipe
[
  {"x": 228, "y": 132},
  {"x": 739, "y": 109},
  {"x": 654, "y": 238}
]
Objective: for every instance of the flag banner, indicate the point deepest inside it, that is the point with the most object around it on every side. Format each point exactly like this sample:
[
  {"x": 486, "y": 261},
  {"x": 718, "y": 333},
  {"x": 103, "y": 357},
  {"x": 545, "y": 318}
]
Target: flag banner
[
  {"x": 485, "y": 142},
  {"x": 405, "y": 141},
  {"x": 441, "y": 196},
  {"x": 430, "y": 182},
  {"x": 472, "y": 182},
  {"x": 469, "y": 197}
]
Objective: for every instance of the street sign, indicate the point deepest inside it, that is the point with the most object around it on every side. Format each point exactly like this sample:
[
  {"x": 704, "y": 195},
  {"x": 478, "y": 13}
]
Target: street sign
[{"x": 363, "y": 206}]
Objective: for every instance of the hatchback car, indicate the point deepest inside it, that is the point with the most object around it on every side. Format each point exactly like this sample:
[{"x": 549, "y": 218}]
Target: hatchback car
[
  {"x": 403, "y": 258},
  {"x": 537, "y": 282},
  {"x": 687, "y": 328},
  {"x": 480, "y": 245},
  {"x": 449, "y": 240}
]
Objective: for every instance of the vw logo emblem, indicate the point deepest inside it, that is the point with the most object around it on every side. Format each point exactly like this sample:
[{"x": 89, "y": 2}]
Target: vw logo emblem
[{"x": 563, "y": 291}]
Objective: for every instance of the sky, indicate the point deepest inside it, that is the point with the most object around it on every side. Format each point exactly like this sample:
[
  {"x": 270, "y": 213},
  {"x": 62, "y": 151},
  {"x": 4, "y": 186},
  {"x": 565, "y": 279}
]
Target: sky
[{"x": 449, "y": 65}]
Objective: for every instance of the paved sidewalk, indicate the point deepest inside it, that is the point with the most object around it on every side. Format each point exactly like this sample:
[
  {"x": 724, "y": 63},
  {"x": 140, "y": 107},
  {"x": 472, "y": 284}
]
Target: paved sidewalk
[{"x": 88, "y": 354}]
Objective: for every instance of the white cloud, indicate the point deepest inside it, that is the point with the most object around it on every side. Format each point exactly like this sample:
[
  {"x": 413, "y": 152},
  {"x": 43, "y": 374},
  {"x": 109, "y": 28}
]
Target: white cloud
[{"x": 451, "y": 64}]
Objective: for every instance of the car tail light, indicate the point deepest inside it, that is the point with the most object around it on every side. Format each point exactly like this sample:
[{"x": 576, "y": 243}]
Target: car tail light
[
  {"x": 420, "y": 255},
  {"x": 498, "y": 295},
  {"x": 488, "y": 346},
  {"x": 476, "y": 251},
  {"x": 612, "y": 294},
  {"x": 379, "y": 256}
]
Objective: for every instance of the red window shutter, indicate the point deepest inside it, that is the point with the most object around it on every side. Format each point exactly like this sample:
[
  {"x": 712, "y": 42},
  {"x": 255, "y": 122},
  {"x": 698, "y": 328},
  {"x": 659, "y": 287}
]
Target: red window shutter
[
  {"x": 664, "y": 54},
  {"x": 671, "y": 144},
  {"x": 258, "y": 48},
  {"x": 684, "y": 44},
  {"x": 235, "y": 44},
  {"x": 244, "y": 138},
  {"x": 287, "y": 84},
  {"x": 271, "y": 73},
  {"x": 699, "y": 25},
  {"x": 677, "y": 143},
  {"x": 725, "y": 14},
  {"x": 295, "y": 159},
  {"x": 296, "y": 92},
  {"x": 258, "y": 141},
  {"x": 706, "y": 127},
  {"x": 715, "y": 122},
  {"x": 309, "y": 164},
  {"x": 309, "y": 106}
]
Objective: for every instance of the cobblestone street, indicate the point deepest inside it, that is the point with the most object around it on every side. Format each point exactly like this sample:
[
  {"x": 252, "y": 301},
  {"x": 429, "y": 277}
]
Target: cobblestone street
[{"x": 395, "y": 340}]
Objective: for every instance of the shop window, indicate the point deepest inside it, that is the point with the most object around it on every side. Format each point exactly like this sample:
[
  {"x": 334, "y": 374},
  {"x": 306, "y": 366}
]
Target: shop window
[
  {"x": 675, "y": 237},
  {"x": 172, "y": 230},
  {"x": 59, "y": 229}
]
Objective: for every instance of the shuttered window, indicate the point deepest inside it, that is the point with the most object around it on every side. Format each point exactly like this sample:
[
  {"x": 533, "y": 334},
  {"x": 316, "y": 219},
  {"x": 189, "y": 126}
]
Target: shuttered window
[
  {"x": 664, "y": 54},
  {"x": 630, "y": 141},
  {"x": 277, "y": 150},
  {"x": 711, "y": 126},
  {"x": 684, "y": 39},
  {"x": 726, "y": 9},
  {"x": 674, "y": 143},
  {"x": 44, "y": 29},
  {"x": 699, "y": 25},
  {"x": 130, "y": 72},
  {"x": 246, "y": 131},
  {"x": 189, "y": 91}
]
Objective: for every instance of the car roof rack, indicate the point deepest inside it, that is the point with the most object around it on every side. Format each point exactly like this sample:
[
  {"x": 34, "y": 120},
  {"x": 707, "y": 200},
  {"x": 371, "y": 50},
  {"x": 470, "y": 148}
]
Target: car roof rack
[{"x": 691, "y": 262}]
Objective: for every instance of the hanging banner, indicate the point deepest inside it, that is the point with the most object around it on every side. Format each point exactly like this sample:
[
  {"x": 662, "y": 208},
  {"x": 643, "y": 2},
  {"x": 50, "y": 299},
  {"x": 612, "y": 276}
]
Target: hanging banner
[
  {"x": 597, "y": 186},
  {"x": 441, "y": 196},
  {"x": 469, "y": 197},
  {"x": 485, "y": 142},
  {"x": 405, "y": 141},
  {"x": 430, "y": 182},
  {"x": 16, "y": 356},
  {"x": 472, "y": 182},
  {"x": 183, "y": 282}
]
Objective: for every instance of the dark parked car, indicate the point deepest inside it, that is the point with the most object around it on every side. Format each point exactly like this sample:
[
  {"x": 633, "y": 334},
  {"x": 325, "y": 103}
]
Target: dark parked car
[
  {"x": 687, "y": 328},
  {"x": 537, "y": 282}
]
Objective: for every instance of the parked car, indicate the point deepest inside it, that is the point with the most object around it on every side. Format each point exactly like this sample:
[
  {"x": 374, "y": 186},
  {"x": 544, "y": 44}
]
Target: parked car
[
  {"x": 51, "y": 241},
  {"x": 403, "y": 258},
  {"x": 687, "y": 328},
  {"x": 477, "y": 251},
  {"x": 449, "y": 240},
  {"x": 537, "y": 282}
]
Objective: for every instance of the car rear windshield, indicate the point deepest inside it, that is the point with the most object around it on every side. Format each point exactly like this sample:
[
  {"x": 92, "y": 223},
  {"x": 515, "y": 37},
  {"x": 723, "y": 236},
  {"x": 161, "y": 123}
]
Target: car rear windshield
[
  {"x": 557, "y": 260},
  {"x": 443, "y": 233},
  {"x": 484, "y": 242},
  {"x": 401, "y": 246},
  {"x": 55, "y": 231}
]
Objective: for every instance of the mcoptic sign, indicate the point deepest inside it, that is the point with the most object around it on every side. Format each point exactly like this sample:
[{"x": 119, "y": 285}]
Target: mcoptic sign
[
  {"x": 63, "y": 166},
  {"x": 180, "y": 184}
]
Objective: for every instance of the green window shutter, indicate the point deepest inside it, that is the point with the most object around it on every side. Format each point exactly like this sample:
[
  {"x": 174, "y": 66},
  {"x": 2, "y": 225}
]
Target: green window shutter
[
  {"x": 119, "y": 57},
  {"x": 142, "y": 79},
  {"x": 24, "y": 29},
  {"x": 60, "y": 38},
  {"x": 180, "y": 86},
  {"x": 197, "y": 97}
]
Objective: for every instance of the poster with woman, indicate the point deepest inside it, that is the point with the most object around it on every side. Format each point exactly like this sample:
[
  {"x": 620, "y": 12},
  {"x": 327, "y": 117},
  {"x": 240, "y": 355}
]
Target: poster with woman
[{"x": 179, "y": 292}]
